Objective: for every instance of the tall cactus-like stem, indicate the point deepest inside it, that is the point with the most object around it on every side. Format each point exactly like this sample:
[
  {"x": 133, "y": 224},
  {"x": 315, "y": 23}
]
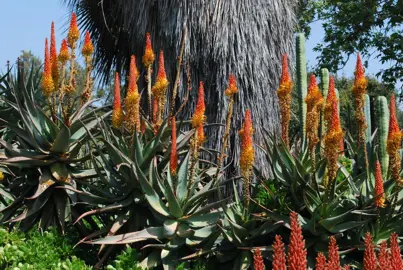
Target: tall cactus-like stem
[
  {"x": 367, "y": 113},
  {"x": 383, "y": 129},
  {"x": 302, "y": 84},
  {"x": 324, "y": 86}
]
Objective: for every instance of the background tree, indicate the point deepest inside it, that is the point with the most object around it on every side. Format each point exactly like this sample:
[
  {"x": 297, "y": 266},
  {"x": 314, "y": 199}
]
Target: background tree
[
  {"x": 371, "y": 27},
  {"x": 246, "y": 38}
]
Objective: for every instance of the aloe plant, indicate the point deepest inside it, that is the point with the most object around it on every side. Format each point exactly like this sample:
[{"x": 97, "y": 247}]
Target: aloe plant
[{"x": 49, "y": 157}]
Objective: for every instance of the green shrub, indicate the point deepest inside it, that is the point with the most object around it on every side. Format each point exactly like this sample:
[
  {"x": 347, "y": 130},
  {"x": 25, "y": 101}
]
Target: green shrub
[{"x": 35, "y": 250}]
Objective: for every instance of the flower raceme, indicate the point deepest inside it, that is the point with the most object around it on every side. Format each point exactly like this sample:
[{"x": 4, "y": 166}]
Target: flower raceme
[
  {"x": 396, "y": 259},
  {"x": 232, "y": 87},
  {"x": 53, "y": 57},
  {"x": 88, "y": 48},
  {"x": 279, "y": 259},
  {"x": 132, "y": 100},
  {"x": 331, "y": 96},
  {"x": 334, "y": 259},
  {"x": 359, "y": 91},
  {"x": 332, "y": 142},
  {"x": 74, "y": 33},
  {"x": 296, "y": 249},
  {"x": 198, "y": 117},
  {"x": 149, "y": 57},
  {"x": 384, "y": 259},
  {"x": 47, "y": 80},
  {"x": 258, "y": 263},
  {"x": 117, "y": 114},
  {"x": 379, "y": 193},
  {"x": 247, "y": 154},
  {"x": 160, "y": 88},
  {"x": 314, "y": 101},
  {"x": 370, "y": 260},
  {"x": 321, "y": 262},
  {"x": 394, "y": 141},
  {"x": 64, "y": 55},
  {"x": 284, "y": 97}
]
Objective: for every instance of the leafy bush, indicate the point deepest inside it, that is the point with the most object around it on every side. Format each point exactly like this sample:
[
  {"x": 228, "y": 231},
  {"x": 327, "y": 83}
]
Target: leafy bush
[{"x": 35, "y": 250}]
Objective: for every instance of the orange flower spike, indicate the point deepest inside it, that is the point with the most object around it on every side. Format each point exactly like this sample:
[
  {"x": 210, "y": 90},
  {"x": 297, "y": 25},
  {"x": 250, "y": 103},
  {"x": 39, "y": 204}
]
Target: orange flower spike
[
  {"x": 284, "y": 98},
  {"x": 370, "y": 261},
  {"x": 394, "y": 142},
  {"x": 155, "y": 110},
  {"x": 279, "y": 260},
  {"x": 358, "y": 91},
  {"x": 296, "y": 248},
  {"x": 161, "y": 85},
  {"x": 133, "y": 76},
  {"x": 334, "y": 259},
  {"x": 396, "y": 259},
  {"x": 360, "y": 83},
  {"x": 321, "y": 262},
  {"x": 258, "y": 263},
  {"x": 314, "y": 99},
  {"x": 74, "y": 33},
  {"x": 173, "y": 162},
  {"x": 88, "y": 48},
  {"x": 247, "y": 152},
  {"x": 232, "y": 86},
  {"x": 117, "y": 114},
  {"x": 329, "y": 101},
  {"x": 47, "y": 80},
  {"x": 53, "y": 56},
  {"x": 379, "y": 193},
  {"x": 64, "y": 55},
  {"x": 384, "y": 257},
  {"x": 198, "y": 116},
  {"x": 132, "y": 101},
  {"x": 201, "y": 137},
  {"x": 149, "y": 57}
]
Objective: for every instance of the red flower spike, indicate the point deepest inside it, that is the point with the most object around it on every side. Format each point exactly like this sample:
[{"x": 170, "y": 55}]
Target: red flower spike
[
  {"x": 334, "y": 259},
  {"x": 149, "y": 57},
  {"x": 370, "y": 261},
  {"x": 384, "y": 257},
  {"x": 379, "y": 193},
  {"x": 232, "y": 87},
  {"x": 74, "y": 33},
  {"x": 88, "y": 48},
  {"x": 396, "y": 259},
  {"x": 321, "y": 262},
  {"x": 279, "y": 260},
  {"x": 198, "y": 116},
  {"x": 258, "y": 263},
  {"x": 296, "y": 249}
]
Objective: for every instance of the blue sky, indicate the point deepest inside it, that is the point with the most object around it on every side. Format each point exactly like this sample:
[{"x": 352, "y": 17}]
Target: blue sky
[{"x": 26, "y": 24}]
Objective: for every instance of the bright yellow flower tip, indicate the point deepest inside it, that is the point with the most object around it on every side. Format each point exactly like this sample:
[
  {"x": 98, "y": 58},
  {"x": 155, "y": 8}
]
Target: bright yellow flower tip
[
  {"x": 88, "y": 48},
  {"x": 74, "y": 33},
  {"x": 47, "y": 80},
  {"x": 198, "y": 116},
  {"x": 149, "y": 57},
  {"x": 1, "y": 176}
]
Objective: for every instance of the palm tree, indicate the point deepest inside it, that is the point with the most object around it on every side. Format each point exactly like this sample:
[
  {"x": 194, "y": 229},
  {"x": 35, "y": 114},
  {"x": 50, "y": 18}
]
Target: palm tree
[{"x": 246, "y": 38}]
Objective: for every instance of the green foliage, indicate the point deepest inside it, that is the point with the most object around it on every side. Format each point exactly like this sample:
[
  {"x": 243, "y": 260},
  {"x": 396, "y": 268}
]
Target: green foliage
[
  {"x": 360, "y": 26},
  {"x": 48, "y": 250},
  {"x": 127, "y": 260}
]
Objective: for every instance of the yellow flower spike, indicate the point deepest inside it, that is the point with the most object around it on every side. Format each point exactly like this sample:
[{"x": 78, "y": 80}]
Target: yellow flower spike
[
  {"x": 47, "y": 80},
  {"x": 198, "y": 117},
  {"x": 394, "y": 142},
  {"x": 149, "y": 57},
  {"x": 64, "y": 55},
  {"x": 53, "y": 57},
  {"x": 117, "y": 114},
  {"x": 88, "y": 48},
  {"x": 132, "y": 101},
  {"x": 247, "y": 156}
]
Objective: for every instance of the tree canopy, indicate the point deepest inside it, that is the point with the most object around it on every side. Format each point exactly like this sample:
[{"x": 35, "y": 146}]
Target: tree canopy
[{"x": 373, "y": 28}]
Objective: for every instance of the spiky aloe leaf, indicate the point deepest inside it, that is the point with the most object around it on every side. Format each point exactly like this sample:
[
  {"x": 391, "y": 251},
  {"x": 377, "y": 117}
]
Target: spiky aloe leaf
[
  {"x": 127, "y": 238},
  {"x": 182, "y": 179}
]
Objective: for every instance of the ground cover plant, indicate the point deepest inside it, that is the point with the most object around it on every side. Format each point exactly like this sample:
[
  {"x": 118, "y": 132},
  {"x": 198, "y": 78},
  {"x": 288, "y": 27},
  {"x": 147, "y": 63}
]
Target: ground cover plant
[{"x": 135, "y": 176}]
